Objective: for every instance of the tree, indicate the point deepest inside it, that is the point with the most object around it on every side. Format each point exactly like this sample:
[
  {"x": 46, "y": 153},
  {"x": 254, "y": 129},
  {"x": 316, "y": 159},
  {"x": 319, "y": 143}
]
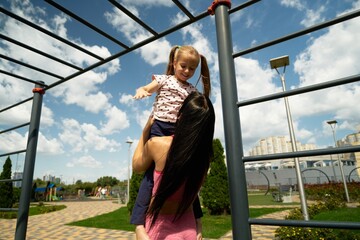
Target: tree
[
  {"x": 135, "y": 182},
  {"x": 6, "y": 188},
  {"x": 215, "y": 192},
  {"x": 107, "y": 181},
  {"x": 78, "y": 182}
]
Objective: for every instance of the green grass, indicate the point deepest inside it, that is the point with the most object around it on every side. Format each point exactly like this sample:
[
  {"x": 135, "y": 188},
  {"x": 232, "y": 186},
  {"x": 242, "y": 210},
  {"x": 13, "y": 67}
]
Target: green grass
[
  {"x": 261, "y": 199},
  {"x": 340, "y": 215},
  {"x": 213, "y": 226},
  {"x": 217, "y": 226},
  {"x": 34, "y": 210},
  {"x": 118, "y": 220}
]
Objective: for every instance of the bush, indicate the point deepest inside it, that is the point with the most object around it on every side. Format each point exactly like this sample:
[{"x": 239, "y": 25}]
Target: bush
[
  {"x": 335, "y": 190},
  {"x": 135, "y": 182},
  {"x": 330, "y": 203},
  {"x": 35, "y": 210},
  {"x": 6, "y": 188},
  {"x": 215, "y": 192}
]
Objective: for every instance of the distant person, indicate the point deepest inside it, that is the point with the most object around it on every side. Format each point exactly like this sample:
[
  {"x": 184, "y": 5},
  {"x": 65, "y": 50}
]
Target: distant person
[
  {"x": 181, "y": 165},
  {"x": 172, "y": 88},
  {"x": 103, "y": 193}
]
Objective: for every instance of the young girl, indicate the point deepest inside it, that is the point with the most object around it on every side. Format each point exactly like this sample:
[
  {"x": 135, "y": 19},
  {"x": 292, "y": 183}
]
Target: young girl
[
  {"x": 181, "y": 165},
  {"x": 172, "y": 89}
]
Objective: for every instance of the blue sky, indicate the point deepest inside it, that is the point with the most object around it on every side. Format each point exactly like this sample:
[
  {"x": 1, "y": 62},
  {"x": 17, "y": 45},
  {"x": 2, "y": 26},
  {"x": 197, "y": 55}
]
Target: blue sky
[{"x": 86, "y": 121}]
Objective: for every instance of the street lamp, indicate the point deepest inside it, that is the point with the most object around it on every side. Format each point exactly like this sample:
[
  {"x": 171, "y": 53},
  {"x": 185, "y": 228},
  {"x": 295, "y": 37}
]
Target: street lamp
[
  {"x": 128, "y": 177},
  {"x": 275, "y": 63},
  {"x": 332, "y": 124}
]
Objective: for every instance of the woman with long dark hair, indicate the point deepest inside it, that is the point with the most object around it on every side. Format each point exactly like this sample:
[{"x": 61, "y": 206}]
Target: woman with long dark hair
[{"x": 181, "y": 164}]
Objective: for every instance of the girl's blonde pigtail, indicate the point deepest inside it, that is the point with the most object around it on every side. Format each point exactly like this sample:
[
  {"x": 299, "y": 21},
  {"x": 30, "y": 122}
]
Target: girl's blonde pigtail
[
  {"x": 170, "y": 66},
  {"x": 205, "y": 76}
]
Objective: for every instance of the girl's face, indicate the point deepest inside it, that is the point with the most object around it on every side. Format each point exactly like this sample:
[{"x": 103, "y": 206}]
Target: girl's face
[{"x": 185, "y": 66}]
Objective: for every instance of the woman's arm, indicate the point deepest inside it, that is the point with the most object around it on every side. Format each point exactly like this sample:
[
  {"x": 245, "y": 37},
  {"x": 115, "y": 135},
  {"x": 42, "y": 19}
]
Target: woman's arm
[{"x": 142, "y": 159}]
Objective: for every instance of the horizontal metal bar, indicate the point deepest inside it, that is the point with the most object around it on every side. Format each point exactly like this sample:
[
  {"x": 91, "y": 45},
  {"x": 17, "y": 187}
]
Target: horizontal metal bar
[
  {"x": 16, "y": 104},
  {"x": 86, "y": 23},
  {"x": 308, "y": 153},
  {"x": 39, "y": 52},
  {"x": 9, "y": 209},
  {"x": 23, "y": 20},
  {"x": 21, "y": 77},
  {"x": 30, "y": 66},
  {"x": 242, "y": 6},
  {"x": 133, "y": 17},
  {"x": 183, "y": 9},
  {"x": 302, "y": 223},
  {"x": 16, "y": 127},
  {"x": 11, "y": 180},
  {"x": 132, "y": 48},
  {"x": 12, "y": 153},
  {"x": 301, "y": 90},
  {"x": 305, "y": 31}
]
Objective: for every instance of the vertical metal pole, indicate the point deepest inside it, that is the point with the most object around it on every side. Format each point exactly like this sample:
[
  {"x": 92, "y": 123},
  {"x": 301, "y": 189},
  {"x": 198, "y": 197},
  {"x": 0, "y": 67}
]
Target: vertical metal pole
[
  {"x": 26, "y": 186},
  {"x": 233, "y": 140},
  {"x": 333, "y": 168},
  {"x": 128, "y": 180},
  {"x": 294, "y": 148},
  {"x": 340, "y": 166}
]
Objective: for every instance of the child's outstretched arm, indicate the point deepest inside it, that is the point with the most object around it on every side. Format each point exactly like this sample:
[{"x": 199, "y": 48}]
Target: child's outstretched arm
[{"x": 147, "y": 90}]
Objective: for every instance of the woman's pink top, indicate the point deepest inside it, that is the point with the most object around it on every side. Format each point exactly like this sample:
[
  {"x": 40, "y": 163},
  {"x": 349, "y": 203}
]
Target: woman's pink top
[
  {"x": 164, "y": 227},
  {"x": 176, "y": 196}
]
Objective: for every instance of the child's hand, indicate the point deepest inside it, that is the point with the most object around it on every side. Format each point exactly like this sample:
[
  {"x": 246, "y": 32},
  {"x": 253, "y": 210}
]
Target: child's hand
[
  {"x": 141, "y": 93},
  {"x": 141, "y": 233}
]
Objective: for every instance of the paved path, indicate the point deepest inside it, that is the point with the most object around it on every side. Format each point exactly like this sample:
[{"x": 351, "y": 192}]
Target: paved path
[{"x": 51, "y": 226}]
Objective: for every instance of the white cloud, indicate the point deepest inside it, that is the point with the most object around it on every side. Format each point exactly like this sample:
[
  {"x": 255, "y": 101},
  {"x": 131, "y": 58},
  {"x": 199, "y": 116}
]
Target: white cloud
[
  {"x": 15, "y": 141},
  {"x": 333, "y": 55},
  {"x": 117, "y": 120},
  {"x": 49, "y": 146},
  {"x": 126, "y": 99},
  {"x": 84, "y": 161},
  {"x": 83, "y": 91},
  {"x": 85, "y": 137},
  {"x": 312, "y": 16},
  {"x": 153, "y": 53},
  {"x": 293, "y": 4},
  {"x": 12, "y": 141},
  {"x": 157, "y": 3},
  {"x": 142, "y": 118}
]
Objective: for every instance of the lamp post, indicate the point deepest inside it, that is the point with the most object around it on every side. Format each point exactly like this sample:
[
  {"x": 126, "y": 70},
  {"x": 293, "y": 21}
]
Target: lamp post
[
  {"x": 128, "y": 177},
  {"x": 333, "y": 167},
  {"x": 332, "y": 124},
  {"x": 274, "y": 64}
]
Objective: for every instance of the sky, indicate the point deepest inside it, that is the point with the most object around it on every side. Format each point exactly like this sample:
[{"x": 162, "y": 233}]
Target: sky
[{"x": 86, "y": 122}]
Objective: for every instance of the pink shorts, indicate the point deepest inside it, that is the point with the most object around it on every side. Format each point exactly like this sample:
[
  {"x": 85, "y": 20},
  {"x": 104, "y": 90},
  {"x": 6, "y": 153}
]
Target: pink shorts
[{"x": 165, "y": 229}]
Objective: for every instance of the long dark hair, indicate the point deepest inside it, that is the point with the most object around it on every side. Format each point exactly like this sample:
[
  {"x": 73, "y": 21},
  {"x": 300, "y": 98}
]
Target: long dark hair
[
  {"x": 189, "y": 155},
  {"x": 174, "y": 55}
]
